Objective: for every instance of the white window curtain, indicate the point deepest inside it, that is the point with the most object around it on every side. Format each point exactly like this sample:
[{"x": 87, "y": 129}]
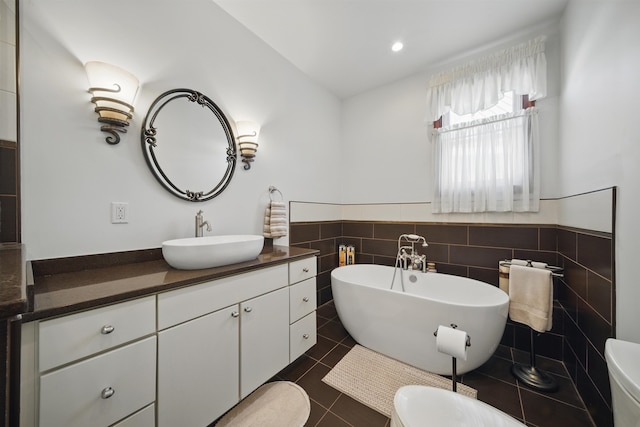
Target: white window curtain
[
  {"x": 489, "y": 165},
  {"x": 480, "y": 84}
]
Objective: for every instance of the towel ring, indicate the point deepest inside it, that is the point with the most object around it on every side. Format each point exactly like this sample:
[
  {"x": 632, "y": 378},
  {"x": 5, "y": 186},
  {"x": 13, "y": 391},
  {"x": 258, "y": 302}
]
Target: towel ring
[{"x": 272, "y": 190}]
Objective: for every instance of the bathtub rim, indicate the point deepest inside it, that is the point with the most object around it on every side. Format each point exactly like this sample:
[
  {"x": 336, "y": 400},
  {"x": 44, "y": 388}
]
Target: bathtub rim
[{"x": 501, "y": 296}]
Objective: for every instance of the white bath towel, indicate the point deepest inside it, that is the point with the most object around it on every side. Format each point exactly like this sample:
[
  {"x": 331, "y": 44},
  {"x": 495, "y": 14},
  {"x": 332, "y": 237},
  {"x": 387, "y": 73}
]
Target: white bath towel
[
  {"x": 275, "y": 220},
  {"x": 539, "y": 264},
  {"x": 531, "y": 297},
  {"x": 503, "y": 271}
]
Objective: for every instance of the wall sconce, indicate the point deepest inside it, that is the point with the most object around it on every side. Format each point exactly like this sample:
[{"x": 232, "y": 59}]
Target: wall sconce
[
  {"x": 113, "y": 91},
  {"x": 247, "y": 141}
]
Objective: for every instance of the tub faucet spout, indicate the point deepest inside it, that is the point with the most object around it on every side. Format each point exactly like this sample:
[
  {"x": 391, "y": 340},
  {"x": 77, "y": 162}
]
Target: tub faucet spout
[{"x": 200, "y": 223}]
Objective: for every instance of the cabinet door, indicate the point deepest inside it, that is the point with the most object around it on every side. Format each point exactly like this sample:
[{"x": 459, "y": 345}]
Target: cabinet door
[
  {"x": 198, "y": 369},
  {"x": 264, "y": 339}
]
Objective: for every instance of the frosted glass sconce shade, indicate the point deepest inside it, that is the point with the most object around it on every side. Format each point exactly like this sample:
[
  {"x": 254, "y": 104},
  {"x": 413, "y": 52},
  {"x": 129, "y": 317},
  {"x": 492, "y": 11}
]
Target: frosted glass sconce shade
[
  {"x": 247, "y": 141},
  {"x": 113, "y": 91}
]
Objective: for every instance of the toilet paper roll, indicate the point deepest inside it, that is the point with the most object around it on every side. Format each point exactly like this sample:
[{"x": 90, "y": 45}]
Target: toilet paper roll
[{"x": 452, "y": 342}]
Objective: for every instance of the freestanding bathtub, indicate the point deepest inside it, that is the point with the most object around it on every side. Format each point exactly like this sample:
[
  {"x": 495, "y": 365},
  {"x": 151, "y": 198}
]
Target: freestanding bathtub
[{"x": 400, "y": 324}]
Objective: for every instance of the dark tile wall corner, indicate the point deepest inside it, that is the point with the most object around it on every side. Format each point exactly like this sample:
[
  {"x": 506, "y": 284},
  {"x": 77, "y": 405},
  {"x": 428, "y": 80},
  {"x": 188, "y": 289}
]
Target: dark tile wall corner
[
  {"x": 9, "y": 204},
  {"x": 584, "y": 309},
  {"x": 587, "y": 296}
]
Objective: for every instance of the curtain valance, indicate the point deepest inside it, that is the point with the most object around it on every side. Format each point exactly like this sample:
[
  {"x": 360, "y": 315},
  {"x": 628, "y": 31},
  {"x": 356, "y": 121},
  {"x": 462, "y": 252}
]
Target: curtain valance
[{"x": 479, "y": 84}]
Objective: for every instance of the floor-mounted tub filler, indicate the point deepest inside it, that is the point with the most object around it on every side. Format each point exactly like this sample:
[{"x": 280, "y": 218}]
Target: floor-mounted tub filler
[{"x": 380, "y": 315}]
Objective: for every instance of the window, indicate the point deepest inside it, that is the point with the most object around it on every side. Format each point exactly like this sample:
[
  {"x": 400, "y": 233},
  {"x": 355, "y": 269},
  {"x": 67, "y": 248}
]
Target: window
[
  {"x": 506, "y": 104},
  {"x": 485, "y": 139}
]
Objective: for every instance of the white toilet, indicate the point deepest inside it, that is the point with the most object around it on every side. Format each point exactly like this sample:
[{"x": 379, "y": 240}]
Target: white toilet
[
  {"x": 417, "y": 406},
  {"x": 624, "y": 375}
]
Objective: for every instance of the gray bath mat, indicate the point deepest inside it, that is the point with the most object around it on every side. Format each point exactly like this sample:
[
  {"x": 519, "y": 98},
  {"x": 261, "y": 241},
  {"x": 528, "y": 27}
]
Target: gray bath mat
[{"x": 372, "y": 379}]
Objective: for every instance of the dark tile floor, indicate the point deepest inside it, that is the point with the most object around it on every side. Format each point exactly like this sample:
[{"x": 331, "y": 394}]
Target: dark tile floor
[{"x": 493, "y": 380}]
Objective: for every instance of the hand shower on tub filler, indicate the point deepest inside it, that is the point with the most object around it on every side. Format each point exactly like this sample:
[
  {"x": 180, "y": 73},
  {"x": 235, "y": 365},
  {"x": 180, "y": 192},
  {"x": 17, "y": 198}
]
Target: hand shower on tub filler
[{"x": 407, "y": 258}]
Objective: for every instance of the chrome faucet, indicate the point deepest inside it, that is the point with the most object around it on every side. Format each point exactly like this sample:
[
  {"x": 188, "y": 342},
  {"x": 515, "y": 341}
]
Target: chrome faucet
[
  {"x": 201, "y": 223},
  {"x": 407, "y": 256}
]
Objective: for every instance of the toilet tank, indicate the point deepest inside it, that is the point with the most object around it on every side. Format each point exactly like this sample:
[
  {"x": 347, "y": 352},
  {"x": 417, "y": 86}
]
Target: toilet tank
[{"x": 624, "y": 375}]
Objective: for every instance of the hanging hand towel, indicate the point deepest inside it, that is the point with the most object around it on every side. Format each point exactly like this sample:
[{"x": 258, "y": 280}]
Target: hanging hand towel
[
  {"x": 275, "y": 220},
  {"x": 531, "y": 297}
]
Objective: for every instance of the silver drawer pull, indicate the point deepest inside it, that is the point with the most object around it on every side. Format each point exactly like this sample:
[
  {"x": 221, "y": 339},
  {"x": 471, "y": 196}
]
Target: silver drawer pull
[
  {"x": 107, "y": 393},
  {"x": 305, "y": 336},
  {"x": 107, "y": 329},
  {"x": 235, "y": 314},
  {"x": 306, "y": 270},
  {"x": 305, "y": 299},
  {"x": 248, "y": 309}
]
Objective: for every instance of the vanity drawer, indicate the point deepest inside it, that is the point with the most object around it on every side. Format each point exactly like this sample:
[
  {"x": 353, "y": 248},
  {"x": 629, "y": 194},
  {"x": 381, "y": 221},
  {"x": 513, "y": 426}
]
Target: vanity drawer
[
  {"x": 80, "y": 394},
  {"x": 302, "y": 336},
  {"x": 72, "y": 337},
  {"x": 302, "y": 299},
  {"x": 302, "y": 269},
  {"x": 144, "y": 418}
]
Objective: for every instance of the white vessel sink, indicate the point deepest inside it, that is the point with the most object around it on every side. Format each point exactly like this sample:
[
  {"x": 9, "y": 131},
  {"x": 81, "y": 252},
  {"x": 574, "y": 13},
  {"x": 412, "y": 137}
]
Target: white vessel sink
[{"x": 195, "y": 253}]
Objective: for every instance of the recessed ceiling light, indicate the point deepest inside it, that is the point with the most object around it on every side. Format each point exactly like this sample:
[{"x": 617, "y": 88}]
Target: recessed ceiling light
[{"x": 397, "y": 46}]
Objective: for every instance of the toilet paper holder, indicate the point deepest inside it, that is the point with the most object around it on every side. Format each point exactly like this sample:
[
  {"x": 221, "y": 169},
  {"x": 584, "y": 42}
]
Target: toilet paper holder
[
  {"x": 454, "y": 326},
  {"x": 454, "y": 376}
]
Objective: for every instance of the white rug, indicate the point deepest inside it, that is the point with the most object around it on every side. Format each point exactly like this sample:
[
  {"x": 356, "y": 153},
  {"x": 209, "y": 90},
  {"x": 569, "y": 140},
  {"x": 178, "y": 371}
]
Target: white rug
[
  {"x": 275, "y": 404},
  {"x": 372, "y": 379}
]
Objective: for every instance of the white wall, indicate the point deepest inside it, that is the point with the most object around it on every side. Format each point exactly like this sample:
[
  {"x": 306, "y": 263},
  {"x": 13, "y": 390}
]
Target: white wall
[
  {"x": 70, "y": 175},
  {"x": 599, "y": 142}
]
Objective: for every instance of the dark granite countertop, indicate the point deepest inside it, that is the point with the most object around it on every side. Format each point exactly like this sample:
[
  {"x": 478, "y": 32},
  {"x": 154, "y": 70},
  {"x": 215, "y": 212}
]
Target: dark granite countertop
[
  {"x": 67, "y": 285},
  {"x": 13, "y": 280}
]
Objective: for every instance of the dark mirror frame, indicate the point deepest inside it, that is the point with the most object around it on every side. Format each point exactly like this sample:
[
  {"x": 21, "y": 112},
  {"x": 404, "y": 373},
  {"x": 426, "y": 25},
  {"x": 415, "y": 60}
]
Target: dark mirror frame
[{"x": 149, "y": 144}]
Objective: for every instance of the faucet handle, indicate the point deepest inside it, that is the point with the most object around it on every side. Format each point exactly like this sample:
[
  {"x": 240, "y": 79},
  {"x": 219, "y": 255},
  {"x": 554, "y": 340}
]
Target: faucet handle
[{"x": 199, "y": 212}]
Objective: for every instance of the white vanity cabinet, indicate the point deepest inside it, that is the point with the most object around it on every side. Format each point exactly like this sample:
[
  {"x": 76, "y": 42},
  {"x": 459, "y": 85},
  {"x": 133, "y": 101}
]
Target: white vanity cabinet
[
  {"x": 223, "y": 339},
  {"x": 177, "y": 358}
]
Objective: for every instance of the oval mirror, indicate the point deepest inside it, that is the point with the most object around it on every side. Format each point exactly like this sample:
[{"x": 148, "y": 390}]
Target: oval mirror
[{"x": 189, "y": 145}]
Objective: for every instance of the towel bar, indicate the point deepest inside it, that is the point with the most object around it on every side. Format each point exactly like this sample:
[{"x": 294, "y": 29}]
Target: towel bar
[
  {"x": 555, "y": 271},
  {"x": 531, "y": 375}
]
